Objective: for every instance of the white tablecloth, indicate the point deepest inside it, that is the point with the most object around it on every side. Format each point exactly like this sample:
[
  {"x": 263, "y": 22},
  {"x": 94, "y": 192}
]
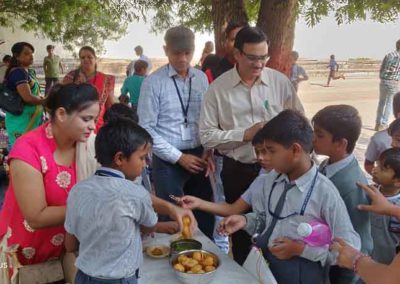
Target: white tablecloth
[{"x": 159, "y": 270}]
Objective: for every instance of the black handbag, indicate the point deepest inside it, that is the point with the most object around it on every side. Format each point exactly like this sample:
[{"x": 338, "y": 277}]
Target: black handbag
[{"x": 11, "y": 101}]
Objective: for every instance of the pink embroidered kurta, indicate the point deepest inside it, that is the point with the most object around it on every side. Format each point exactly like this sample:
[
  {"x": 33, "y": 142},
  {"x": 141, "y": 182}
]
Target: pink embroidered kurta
[{"x": 37, "y": 148}]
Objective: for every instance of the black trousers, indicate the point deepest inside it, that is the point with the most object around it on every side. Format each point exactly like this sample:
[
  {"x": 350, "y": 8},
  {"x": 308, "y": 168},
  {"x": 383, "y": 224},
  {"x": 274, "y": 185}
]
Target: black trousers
[
  {"x": 236, "y": 179},
  {"x": 173, "y": 179}
]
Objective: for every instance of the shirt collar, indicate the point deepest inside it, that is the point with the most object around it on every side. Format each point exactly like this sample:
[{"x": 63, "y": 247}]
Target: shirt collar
[
  {"x": 172, "y": 72},
  {"x": 236, "y": 80},
  {"x": 331, "y": 169},
  {"x": 107, "y": 169},
  {"x": 303, "y": 183}
]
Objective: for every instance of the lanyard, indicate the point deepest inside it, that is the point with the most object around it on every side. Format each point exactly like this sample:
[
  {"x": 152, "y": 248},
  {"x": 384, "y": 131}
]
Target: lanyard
[
  {"x": 184, "y": 110},
  {"x": 105, "y": 173},
  {"x": 303, "y": 207}
]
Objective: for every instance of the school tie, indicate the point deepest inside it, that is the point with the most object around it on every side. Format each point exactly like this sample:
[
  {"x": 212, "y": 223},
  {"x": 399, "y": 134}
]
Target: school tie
[{"x": 262, "y": 241}]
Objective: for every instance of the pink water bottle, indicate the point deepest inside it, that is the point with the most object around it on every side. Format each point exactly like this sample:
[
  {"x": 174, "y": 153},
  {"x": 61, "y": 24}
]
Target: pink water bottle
[{"x": 315, "y": 233}]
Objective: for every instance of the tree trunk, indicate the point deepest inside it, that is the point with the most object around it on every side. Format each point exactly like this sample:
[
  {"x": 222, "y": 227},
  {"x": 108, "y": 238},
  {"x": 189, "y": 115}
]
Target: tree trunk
[
  {"x": 277, "y": 18},
  {"x": 223, "y": 12}
]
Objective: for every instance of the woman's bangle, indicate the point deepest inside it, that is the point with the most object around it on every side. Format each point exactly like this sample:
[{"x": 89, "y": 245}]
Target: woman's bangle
[{"x": 356, "y": 261}]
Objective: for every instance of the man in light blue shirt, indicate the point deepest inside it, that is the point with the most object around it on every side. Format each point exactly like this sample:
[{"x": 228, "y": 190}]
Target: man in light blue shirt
[
  {"x": 388, "y": 87},
  {"x": 169, "y": 109}
]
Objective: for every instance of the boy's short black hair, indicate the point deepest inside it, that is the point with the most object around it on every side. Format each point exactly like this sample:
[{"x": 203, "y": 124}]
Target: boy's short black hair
[
  {"x": 120, "y": 110},
  {"x": 119, "y": 135},
  {"x": 394, "y": 127},
  {"x": 287, "y": 128},
  {"x": 390, "y": 158},
  {"x": 139, "y": 65},
  {"x": 342, "y": 121},
  {"x": 396, "y": 104}
]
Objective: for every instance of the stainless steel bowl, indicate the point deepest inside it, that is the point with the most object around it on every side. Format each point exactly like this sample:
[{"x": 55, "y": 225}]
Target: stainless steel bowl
[{"x": 188, "y": 278}]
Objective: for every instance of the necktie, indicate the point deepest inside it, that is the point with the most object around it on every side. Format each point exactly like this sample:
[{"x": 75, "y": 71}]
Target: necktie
[{"x": 262, "y": 241}]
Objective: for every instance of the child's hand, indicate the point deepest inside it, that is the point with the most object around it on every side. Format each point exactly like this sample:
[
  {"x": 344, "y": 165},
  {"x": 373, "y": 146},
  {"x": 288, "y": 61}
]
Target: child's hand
[
  {"x": 231, "y": 224},
  {"x": 147, "y": 230},
  {"x": 285, "y": 248},
  {"x": 190, "y": 202},
  {"x": 170, "y": 227},
  {"x": 379, "y": 203},
  {"x": 346, "y": 253}
]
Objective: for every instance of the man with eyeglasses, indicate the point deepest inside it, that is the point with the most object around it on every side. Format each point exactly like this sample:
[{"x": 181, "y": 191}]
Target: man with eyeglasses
[{"x": 235, "y": 107}]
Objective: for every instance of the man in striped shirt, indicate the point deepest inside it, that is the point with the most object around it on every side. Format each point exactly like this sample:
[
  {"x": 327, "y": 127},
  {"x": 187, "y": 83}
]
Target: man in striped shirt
[{"x": 389, "y": 86}]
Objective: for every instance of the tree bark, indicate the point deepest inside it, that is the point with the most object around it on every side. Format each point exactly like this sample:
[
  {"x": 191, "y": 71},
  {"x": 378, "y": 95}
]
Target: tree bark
[
  {"x": 223, "y": 12},
  {"x": 277, "y": 18}
]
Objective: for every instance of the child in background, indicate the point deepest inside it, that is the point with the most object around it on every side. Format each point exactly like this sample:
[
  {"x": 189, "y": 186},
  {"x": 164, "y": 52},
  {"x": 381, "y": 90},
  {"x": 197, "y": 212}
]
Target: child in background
[
  {"x": 241, "y": 205},
  {"x": 336, "y": 130},
  {"x": 298, "y": 74},
  {"x": 105, "y": 211},
  {"x": 293, "y": 193},
  {"x": 133, "y": 83},
  {"x": 394, "y": 133},
  {"x": 381, "y": 140},
  {"x": 333, "y": 69},
  {"x": 386, "y": 229}
]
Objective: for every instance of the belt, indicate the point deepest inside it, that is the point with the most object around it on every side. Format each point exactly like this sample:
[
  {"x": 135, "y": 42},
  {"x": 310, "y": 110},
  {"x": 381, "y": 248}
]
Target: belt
[{"x": 111, "y": 281}]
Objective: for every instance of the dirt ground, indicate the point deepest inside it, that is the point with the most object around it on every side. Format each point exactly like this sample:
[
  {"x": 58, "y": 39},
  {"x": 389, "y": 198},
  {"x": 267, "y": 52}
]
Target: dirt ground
[{"x": 362, "y": 93}]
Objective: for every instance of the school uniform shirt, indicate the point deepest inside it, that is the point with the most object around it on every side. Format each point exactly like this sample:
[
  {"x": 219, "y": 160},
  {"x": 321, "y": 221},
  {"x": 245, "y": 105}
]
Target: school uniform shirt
[
  {"x": 104, "y": 213},
  {"x": 329, "y": 170},
  {"x": 325, "y": 204},
  {"x": 378, "y": 143},
  {"x": 230, "y": 107},
  {"x": 386, "y": 234},
  {"x": 255, "y": 187}
]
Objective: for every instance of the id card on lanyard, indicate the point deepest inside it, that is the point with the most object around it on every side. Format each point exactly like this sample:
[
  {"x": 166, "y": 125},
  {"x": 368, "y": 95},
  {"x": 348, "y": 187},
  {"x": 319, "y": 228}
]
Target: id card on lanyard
[{"x": 185, "y": 129}]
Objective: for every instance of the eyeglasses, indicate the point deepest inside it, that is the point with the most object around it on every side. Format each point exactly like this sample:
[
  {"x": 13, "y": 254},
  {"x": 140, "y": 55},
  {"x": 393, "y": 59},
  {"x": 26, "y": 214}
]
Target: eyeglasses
[{"x": 255, "y": 58}]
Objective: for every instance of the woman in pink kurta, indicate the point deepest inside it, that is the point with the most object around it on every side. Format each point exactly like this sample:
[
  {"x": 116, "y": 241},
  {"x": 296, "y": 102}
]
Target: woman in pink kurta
[{"x": 35, "y": 235}]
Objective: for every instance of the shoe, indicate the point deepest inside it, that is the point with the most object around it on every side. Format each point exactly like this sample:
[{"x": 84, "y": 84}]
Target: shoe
[{"x": 380, "y": 127}]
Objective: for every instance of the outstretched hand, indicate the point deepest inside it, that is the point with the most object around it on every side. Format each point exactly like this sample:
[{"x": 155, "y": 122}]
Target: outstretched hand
[
  {"x": 379, "y": 203},
  {"x": 231, "y": 224}
]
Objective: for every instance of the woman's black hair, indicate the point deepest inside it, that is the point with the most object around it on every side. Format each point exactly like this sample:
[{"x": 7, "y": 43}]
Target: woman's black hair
[
  {"x": 119, "y": 134},
  {"x": 16, "y": 50},
  {"x": 72, "y": 97}
]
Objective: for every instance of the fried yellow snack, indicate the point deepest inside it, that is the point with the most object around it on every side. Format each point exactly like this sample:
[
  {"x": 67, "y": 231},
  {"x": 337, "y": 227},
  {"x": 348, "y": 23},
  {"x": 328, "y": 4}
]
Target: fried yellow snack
[
  {"x": 209, "y": 260},
  {"x": 190, "y": 263},
  {"x": 186, "y": 220},
  {"x": 197, "y": 256},
  {"x": 186, "y": 233},
  {"x": 196, "y": 268},
  {"x": 209, "y": 268},
  {"x": 179, "y": 267},
  {"x": 200, "y": 272},
  {"x": 182, "y": 258}
]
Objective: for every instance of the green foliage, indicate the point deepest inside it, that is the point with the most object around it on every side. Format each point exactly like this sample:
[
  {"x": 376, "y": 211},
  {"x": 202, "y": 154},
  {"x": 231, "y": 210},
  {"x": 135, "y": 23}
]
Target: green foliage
[
  {"x": 90, "y": 22},
  {"x": 72, "y": 22},
  {"x": 347, "y": 11}
]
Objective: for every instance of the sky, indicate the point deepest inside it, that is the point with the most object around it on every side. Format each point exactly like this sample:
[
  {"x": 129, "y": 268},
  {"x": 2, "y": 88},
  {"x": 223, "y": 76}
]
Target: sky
[{"x": 359, "y": 39}]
